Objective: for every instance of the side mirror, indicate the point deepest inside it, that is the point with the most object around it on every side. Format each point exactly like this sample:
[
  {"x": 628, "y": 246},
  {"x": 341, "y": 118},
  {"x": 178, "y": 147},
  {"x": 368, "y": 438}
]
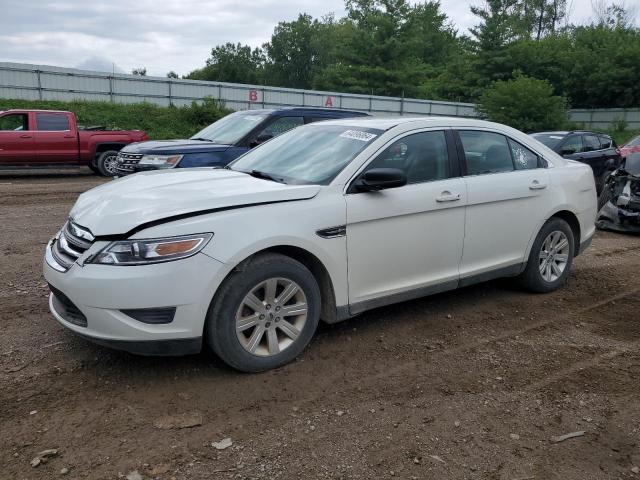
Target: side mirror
[
  {"x": 567, "y": 151},
  {"x": 261, "y": 139},
  {"x": 380, "y": 179}
]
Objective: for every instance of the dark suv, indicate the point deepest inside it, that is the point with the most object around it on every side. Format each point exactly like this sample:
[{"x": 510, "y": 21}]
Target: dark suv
[
  {"x": 597, "y": 150},
  {"x": 222, "y": 141}
]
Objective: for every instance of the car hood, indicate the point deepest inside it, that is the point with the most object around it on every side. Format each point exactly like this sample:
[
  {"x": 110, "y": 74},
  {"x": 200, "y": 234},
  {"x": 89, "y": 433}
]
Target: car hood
[
  {"x": 118, "y": 207},
  {"x": 171, "y": 147}
]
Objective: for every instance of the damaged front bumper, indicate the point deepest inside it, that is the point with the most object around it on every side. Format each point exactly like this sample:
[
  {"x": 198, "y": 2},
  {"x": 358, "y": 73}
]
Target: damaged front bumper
[{"x": 613, "y": 217}]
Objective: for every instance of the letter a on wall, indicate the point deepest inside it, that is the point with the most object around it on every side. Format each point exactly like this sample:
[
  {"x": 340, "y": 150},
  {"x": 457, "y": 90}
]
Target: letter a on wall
[{"x": 329, "y": 102}]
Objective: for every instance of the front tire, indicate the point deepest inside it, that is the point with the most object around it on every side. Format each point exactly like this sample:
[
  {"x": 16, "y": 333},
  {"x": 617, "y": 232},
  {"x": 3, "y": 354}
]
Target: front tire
[
  {"x": 107, "y": 163},
  {"x": 551, "y": 257},
  {"x": 264, "y": 314}
]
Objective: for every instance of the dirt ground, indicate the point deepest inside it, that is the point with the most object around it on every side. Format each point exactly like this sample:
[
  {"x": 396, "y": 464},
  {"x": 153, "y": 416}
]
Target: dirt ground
[{"x": 471, "y": 384}]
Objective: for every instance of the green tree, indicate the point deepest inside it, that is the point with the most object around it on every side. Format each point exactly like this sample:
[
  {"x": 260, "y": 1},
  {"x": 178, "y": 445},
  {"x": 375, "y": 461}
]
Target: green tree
[
  {"x": 525, "y": 103},
  {"x": 297, "y": 50},
  {"x": 388, "y": 47},
  {"x": 234, "y": 63},
  {"x": 172, "y": 74},
  {"x": 142, "y": 71}
]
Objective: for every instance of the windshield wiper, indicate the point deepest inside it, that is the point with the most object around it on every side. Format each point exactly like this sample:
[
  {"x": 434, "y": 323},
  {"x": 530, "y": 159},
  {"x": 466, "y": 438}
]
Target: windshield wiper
[
  {"x": 203, "y": 139},
  {"x": 265, "y": 176}
]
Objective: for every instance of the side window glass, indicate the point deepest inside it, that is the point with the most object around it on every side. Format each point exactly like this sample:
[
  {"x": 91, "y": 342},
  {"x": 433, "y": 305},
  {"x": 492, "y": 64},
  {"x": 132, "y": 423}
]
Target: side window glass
[
  {"x": 523, "y": 158},
  {"x": 14, "y": 122},
  {"x": 485, "y": 152},
  {"x": 591, "y": 143},
  {"x": 315, "y": 119},
  {"x": 422, "y": 156},
  {"x": 572, "y": 145},
  {"x": 605, "y": 142},
  {"x": 52, "y": 122},
  {"x": 281, "y": 125}
]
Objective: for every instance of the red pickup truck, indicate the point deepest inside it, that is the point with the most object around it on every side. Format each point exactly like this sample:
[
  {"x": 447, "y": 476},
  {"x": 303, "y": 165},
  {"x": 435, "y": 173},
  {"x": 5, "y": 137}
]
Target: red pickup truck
[{"x": 38, "y": 138}]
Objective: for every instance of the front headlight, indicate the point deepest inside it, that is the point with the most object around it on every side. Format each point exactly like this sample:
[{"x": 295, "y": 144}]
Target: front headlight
[
  {"x": 153, "y": 250},
  {"x": 161, "y": 161}
]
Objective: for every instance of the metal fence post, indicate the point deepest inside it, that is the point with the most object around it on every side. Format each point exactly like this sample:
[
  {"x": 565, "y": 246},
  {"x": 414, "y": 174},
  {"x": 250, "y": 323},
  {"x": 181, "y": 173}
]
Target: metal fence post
[
  {"x": 110, "y": 77},
  {"x": 39, "y": 84}
]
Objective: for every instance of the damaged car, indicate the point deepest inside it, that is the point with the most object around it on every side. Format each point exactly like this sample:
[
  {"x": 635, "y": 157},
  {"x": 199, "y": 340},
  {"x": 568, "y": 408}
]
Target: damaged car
[
  {"x": 324, "y": 222},
  {"x": 620, "y": 199}
]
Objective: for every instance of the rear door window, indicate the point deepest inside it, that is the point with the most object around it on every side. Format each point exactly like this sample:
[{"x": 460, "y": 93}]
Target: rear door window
[
  {"x": 523, "y": 158},
  {"x": 52, "y": 122},
  {"x": 591, "y": 143},
  {"x": 573, "y": 144},
  {"x": 486, "y": 152},
  {"x": 605, "y": 142}
]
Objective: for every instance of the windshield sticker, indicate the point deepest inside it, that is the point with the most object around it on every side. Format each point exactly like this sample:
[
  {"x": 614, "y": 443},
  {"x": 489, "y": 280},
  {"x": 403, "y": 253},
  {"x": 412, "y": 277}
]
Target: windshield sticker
[
  {"x": 556, "y": 137},
  {"x": 358, "y": 135}
]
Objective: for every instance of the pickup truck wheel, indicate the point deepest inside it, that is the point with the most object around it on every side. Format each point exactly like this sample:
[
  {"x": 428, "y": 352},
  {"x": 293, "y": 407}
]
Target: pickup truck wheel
[
  {"x": 93, "y": 168},
  {"x": 551, "y": 257},
  {"x": 264, "y": 314},
  {"x": 107, "y": 163}
]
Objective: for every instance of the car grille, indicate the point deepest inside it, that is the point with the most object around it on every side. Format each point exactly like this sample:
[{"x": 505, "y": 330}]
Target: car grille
[
  {"x": 72, "y": 242},
  {"x": 67, "y": 309},
  {"x": 128, "y": 161}
]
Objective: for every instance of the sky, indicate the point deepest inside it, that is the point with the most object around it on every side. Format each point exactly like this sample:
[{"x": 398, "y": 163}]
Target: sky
[{"x": 164, "y": 35}]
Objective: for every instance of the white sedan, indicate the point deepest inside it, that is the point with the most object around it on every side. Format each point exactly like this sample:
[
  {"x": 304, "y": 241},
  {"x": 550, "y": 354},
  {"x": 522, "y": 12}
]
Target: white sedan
[{"x": 321, "y": 223}]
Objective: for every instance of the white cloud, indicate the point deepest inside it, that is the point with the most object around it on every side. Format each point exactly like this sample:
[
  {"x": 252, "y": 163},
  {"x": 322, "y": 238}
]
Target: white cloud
[{"x": 162, "y": 35}]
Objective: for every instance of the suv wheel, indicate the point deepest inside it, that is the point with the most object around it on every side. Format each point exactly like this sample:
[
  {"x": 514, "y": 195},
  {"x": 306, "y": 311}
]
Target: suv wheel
[
  {"x": 265, "y": 314},
  {"x": 551, "y": 257},
  {"x": 107, "y": 163}
]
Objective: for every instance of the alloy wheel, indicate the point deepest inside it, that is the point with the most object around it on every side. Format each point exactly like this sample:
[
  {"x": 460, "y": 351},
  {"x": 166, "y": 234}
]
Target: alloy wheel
[
  {"x": 110, "y": 164},
  {"x": 271, "y": 316},
  {"x": 554, "y": 256}
]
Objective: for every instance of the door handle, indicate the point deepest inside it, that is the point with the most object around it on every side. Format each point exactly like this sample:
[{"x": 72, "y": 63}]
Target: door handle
[
  {"x": 448, "y": 197},
  {"x": 25, "y": 136},
  {"x": 536, "y": 185}
]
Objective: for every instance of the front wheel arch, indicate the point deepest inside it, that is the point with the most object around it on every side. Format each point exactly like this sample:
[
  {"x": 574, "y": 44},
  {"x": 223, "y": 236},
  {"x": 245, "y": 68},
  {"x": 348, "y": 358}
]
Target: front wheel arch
[{"x": 329, "y": 311}]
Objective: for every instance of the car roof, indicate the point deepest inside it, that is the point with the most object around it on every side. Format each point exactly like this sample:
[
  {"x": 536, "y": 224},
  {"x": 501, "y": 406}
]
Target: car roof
[
  {"x": 23, "y": 110},
  {"x": 306, "y": 110},
  {"x": 386, "y": 123},
  {"x": 567, "y": 132}
]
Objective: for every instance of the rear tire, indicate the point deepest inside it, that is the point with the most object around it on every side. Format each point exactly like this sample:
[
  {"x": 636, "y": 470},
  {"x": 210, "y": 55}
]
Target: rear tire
[
  {"x": 550, "y": 259},
  {"x": 107, "y": 163},
  {"x": 264, "y": 314}
]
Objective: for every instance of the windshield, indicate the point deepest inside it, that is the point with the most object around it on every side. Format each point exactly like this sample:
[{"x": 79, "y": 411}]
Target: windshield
[
  {"x": 634, "y": 143},
  {"x": 313, "y": 154},
  {"x": 551, "y": 140},
  {"x": 230, "y": 129}
]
